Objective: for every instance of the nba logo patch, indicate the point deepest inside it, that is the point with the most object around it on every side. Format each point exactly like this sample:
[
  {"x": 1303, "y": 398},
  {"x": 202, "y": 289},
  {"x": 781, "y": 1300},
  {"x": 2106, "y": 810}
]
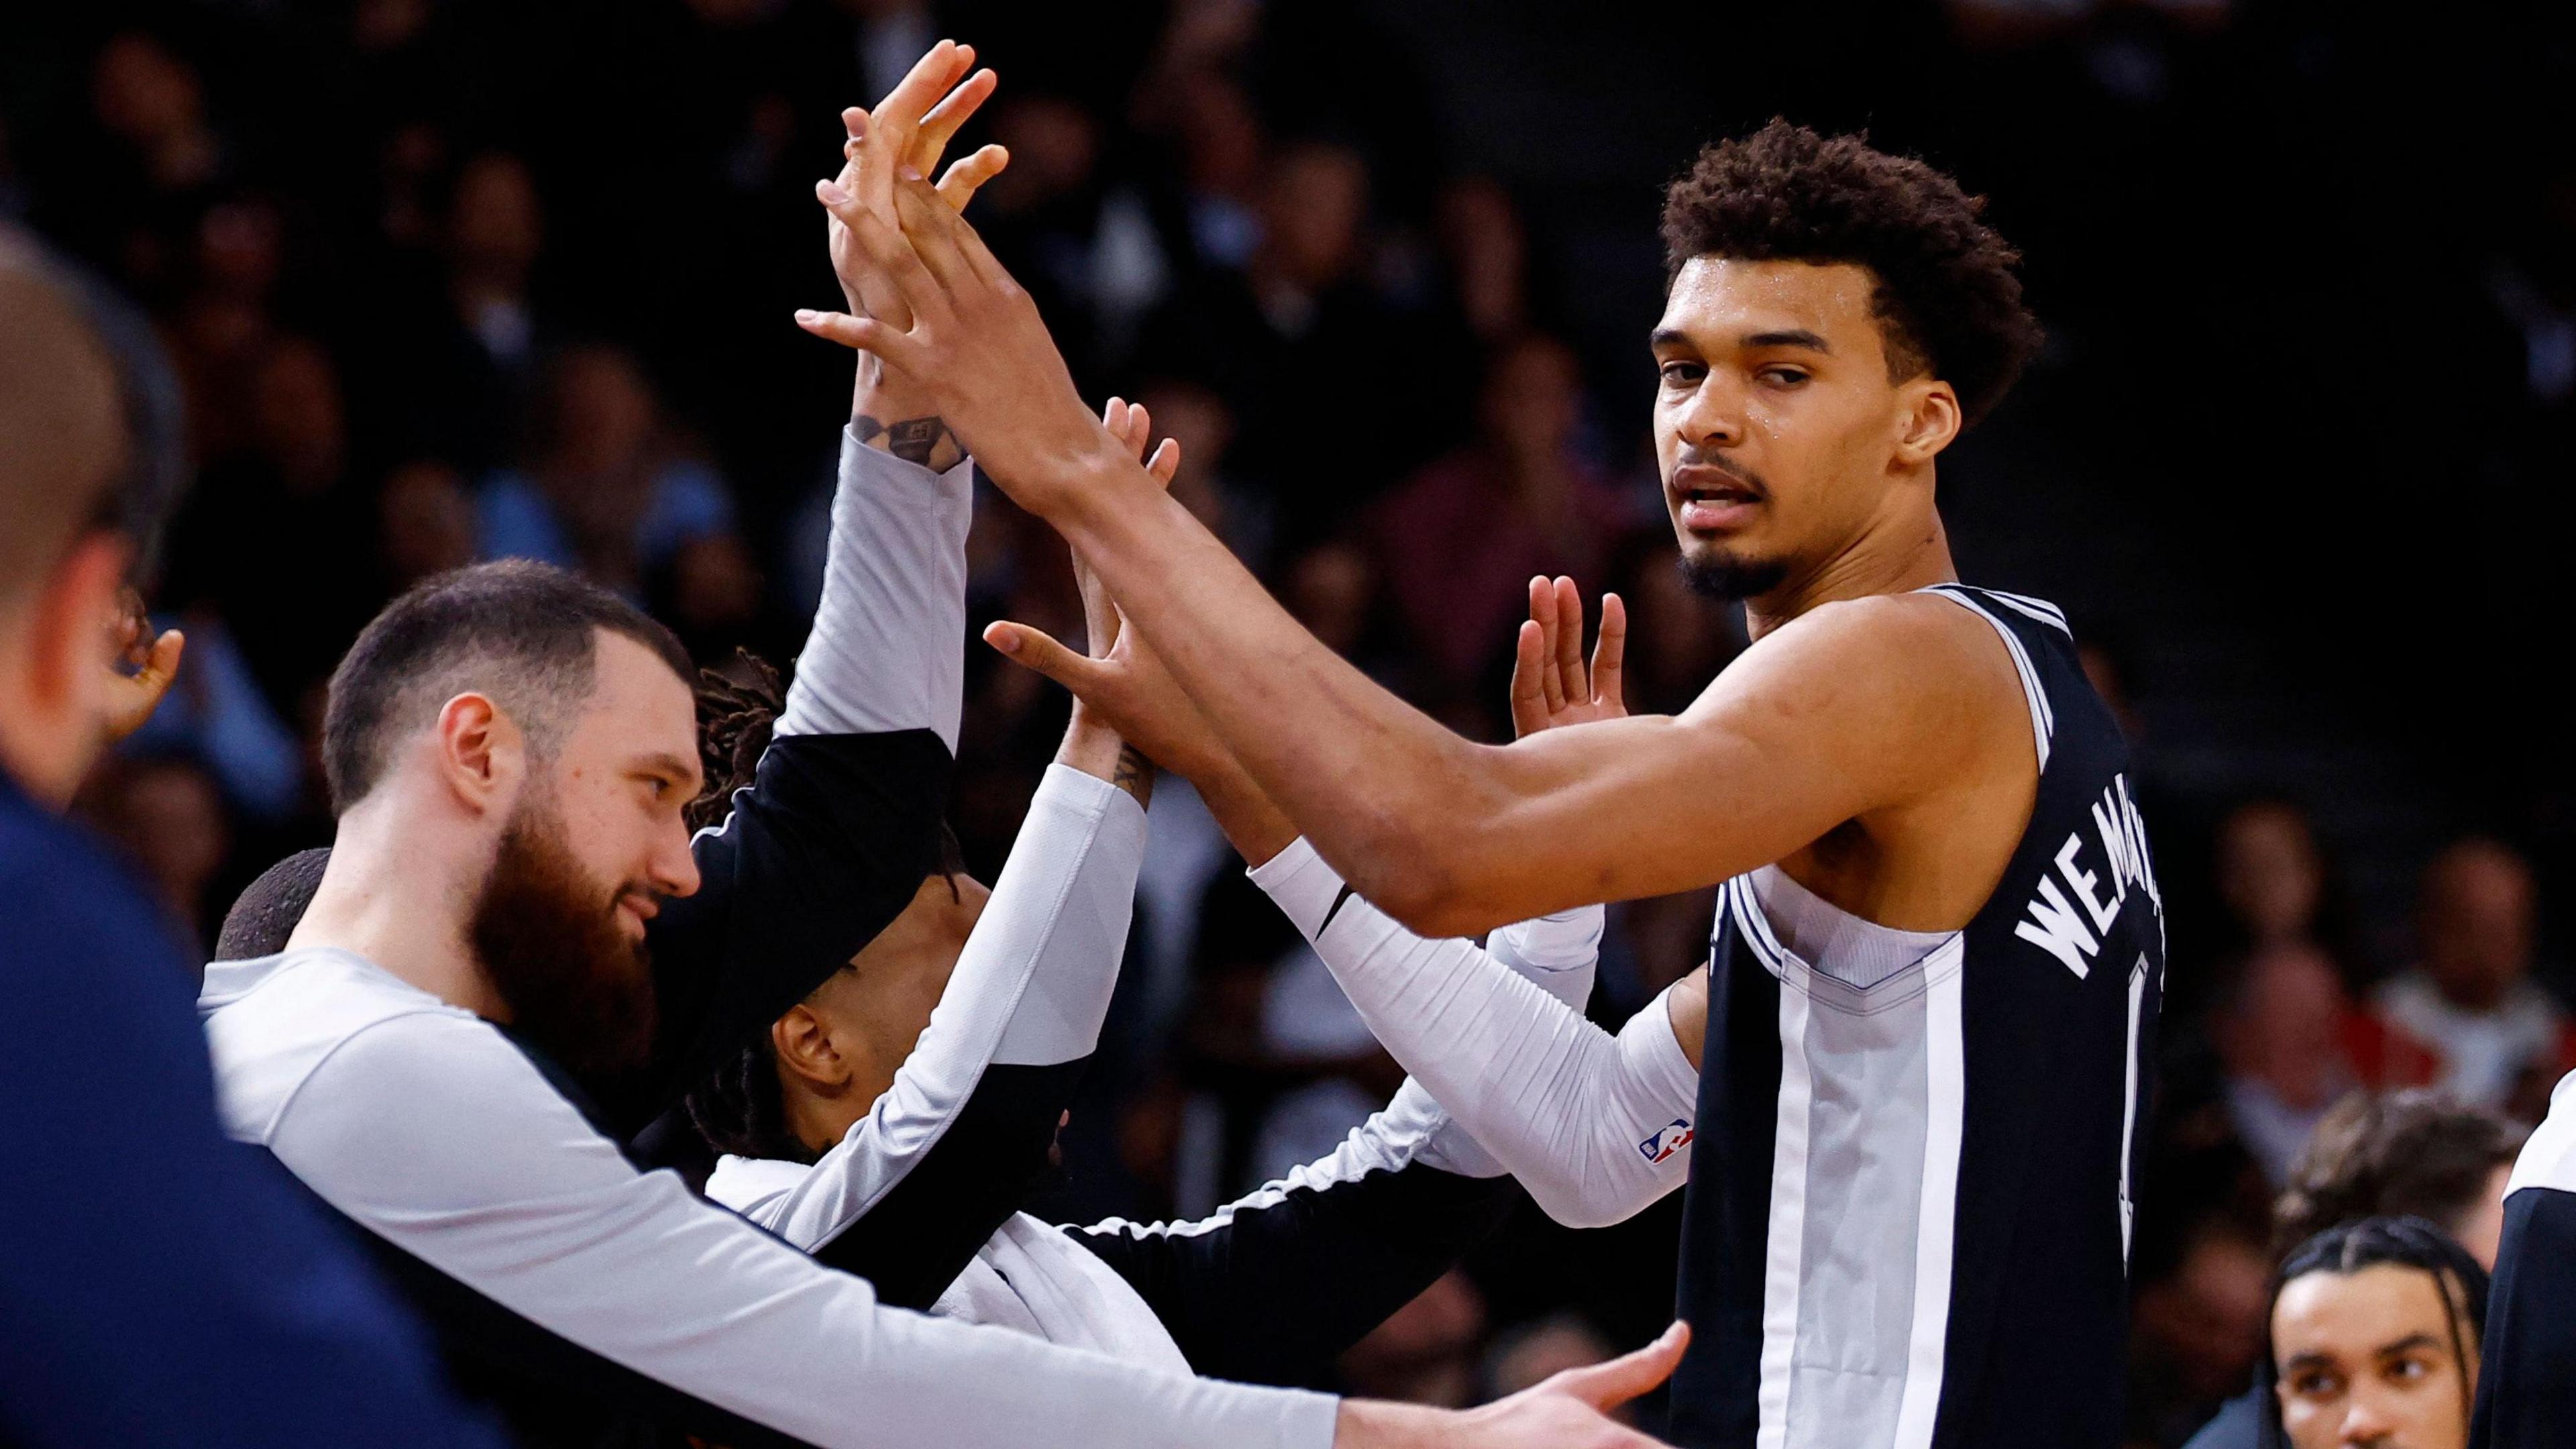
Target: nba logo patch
[{"x": 1667, "y": 1141}]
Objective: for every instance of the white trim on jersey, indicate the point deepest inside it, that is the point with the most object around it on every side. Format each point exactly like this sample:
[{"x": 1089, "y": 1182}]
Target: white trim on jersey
[
  {"x": 2043, "y": 719},
  {"x": 2040, "y": 609},
  {"x": 1784, "y": 1267},
  {"x": 1936, "y": 1221}
]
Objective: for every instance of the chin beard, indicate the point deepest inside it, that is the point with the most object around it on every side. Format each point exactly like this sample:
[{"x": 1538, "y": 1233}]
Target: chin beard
[
  {"x": 1728, "y": 578},
  {"x": 576, "y": 988}
]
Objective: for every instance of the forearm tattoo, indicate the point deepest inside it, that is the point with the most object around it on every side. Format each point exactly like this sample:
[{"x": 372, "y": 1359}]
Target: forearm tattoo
[
  {"x": 1135, "y": 774},
  {"x": 925, "y": 441}
]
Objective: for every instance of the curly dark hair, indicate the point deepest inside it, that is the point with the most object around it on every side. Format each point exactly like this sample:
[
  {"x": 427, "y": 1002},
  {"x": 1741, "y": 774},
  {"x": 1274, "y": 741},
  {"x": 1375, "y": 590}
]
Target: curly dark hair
[
  {"x": 1948, "y": 300},
  {"x": 739, "y": 1107}
]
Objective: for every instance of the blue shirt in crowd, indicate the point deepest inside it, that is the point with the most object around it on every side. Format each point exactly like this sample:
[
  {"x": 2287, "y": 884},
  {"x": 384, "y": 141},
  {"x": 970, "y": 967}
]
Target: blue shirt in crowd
[{"x": 160, "y": 1284}]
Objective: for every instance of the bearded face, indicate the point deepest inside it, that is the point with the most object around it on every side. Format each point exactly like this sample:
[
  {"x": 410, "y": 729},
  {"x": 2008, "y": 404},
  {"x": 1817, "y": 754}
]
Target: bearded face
[{"x": 550, "y": 940}]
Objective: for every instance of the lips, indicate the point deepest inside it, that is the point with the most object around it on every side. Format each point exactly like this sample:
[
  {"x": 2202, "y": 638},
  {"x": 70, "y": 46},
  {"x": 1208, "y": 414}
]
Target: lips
[{"x": 1707, "y": 500}]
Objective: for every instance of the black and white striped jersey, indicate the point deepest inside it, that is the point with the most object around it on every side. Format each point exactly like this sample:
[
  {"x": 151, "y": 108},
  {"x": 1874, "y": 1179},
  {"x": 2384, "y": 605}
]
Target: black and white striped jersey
[{"x": 1908, "y": 1217}]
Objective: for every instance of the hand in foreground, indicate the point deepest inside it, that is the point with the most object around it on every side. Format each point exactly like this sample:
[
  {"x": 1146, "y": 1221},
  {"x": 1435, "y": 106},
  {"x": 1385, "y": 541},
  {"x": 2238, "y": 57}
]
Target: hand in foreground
[
  {"x": 1549, "y": 685},
  {"x": 1132, "y": 426},
  {"x": 1120, "y": 682},
  {"x": 977, "y": 352},
  {"x": 1568, "y": 1411},
  {"x": 131, "y": 698},
  {"x": 910, "y": 129}
]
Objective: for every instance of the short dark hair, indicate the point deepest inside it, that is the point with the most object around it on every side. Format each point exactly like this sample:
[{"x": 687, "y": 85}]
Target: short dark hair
[
  {"x": 525, "y": 633},
  {"x": 1948, "y": 299},
  {"x": 2417, "y": 1151},
  {"x": 266, "y": 911}
]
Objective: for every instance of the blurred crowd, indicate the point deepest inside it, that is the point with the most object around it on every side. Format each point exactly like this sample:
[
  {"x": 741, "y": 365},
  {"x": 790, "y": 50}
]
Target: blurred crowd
[{"x": 442, "y": 280}]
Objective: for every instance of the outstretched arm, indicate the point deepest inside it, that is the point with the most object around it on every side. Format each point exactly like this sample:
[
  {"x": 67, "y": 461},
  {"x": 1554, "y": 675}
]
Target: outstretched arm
[
  {"x": 1854, "y": 708},
  {"x": 840, "y": 824}
]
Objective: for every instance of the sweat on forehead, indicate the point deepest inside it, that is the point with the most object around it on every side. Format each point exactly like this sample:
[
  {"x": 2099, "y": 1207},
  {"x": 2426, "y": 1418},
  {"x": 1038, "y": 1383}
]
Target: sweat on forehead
[{"x": 526, "y": 634}]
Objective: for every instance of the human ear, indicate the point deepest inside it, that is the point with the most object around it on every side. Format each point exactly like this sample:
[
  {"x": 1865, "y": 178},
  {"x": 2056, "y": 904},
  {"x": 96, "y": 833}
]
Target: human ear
[
  {"x": 62, "y": 673},
  {"x": 1930, "y": 419},
  {"x": 802, "y": 1042},
  {"x": 481, "y": 754}
]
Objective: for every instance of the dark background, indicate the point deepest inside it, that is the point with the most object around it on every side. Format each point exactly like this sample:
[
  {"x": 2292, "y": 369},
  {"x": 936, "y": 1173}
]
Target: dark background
[{"x": 444, "y": 278}]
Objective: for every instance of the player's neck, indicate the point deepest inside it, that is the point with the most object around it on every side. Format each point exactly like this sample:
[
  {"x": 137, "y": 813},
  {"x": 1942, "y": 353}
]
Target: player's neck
[
  {"x": 1896, "y": 555},
  {"x": 386, "y": 896}
]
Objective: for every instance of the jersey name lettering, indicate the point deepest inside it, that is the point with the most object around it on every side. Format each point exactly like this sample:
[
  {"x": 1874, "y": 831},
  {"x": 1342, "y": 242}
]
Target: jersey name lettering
[{"x": 2070, "y": 923}]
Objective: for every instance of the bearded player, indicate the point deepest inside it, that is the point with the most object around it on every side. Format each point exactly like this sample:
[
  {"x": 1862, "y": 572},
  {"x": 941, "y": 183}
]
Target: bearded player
[{"x": 1904, "y": 1087}]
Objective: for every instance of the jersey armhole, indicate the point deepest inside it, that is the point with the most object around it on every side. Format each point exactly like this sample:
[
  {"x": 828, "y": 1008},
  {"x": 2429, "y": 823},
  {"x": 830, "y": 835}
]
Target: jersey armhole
[{"x": 2043, "y": 720}]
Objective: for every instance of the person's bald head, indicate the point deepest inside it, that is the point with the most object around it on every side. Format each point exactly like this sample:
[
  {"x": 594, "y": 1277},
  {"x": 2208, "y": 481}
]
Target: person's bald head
[{"x": 62, "y": 431}]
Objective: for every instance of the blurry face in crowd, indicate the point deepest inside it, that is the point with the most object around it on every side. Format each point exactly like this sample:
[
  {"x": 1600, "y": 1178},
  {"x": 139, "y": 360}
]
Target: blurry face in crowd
[
  {"x": 2269, "y": 873},
  {"x": 603, "y": 415},
  {"x": 2365, "y": 1358},
  {"x": 142, "y": 92},
  {"x": 594, "y": 842},
  {"x": 1775, "y": 421},
  {"x": 495, "y": 225},
  {"x": 426, "y": 520},
  {"x": 2477, "y": 922},
  {"x": 2480, "y": 1227},
  {"x": 2284, "y": 1030},
  {"x": 1533, "y": 399},
  {"x": 1311, "y": 217},
  {"x": 838, "y": 1050}
]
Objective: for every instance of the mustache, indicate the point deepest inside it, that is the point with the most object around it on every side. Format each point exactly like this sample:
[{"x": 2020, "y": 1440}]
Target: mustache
[{"x": 1727, "y": 468}]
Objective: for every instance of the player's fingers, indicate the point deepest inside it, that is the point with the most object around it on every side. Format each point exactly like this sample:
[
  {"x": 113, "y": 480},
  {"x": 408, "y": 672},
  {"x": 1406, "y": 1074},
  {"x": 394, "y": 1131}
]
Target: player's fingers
[
  {"x": 1141, "y": 426},
  {"x": 929, "y": 79},
  {"x": 1113, "y": 416},
  {"x": 892, "y": 252},
  {"x": 940, "y": 126},
  {"x": 1529, "y": 663},
  {"x": 897, "y": 348},
  {"x": 925, "y": 225},
  {"x": 1543, "y": 612},
  {"x": 1038, "y": 650},
  {"x": 1608, "y": 1385},
  {"x": 1569, "y": 642},
  {"x": 967, "y": 174},
  {"x": 1166, "y": 461},
  {"x": 1610, "y": 653}
]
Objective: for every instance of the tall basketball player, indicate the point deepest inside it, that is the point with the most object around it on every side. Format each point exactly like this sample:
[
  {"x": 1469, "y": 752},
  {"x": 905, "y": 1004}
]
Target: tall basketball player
[{"x": 1918, "y": 1039}]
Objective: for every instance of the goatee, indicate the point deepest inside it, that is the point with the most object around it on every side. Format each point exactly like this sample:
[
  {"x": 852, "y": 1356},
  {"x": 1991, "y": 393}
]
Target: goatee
[
  {"x": 576, "y": 987},
  {"x": 1728, "y": 578}
]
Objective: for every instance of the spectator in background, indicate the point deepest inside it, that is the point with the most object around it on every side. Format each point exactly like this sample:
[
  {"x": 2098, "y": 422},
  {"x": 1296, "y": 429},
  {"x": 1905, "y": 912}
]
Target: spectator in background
[
  {"x": 2197, "y": 1325},
  {"x": 265, "y": 539},
  {"x": 1529, "y": 1353},
  {"x": 465, "y": 381},
  {"x": 167, "y": 816},
  {"x": 2412, "y": 1153},
  {"x": 2373, "y": 1339},
  {"x": 602, "y": 491},
  {"x": 424, "y": 524},
  {"x": 2281, "y": 1034},
  {"x": 1460, "y": 542},
  {"x": 2496, "y": 1038},
  {"x": 1487, "y": 251}
]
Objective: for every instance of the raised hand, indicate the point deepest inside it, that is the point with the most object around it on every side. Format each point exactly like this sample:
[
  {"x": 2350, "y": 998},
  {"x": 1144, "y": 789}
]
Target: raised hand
[
  {"x": 154, "y": 660},
  {"x": 978, "y": 353},
  {"x": 1132, "y": 426},
  {"x": 909, "y": 130},
  {"x": 1550, "y": 687}
]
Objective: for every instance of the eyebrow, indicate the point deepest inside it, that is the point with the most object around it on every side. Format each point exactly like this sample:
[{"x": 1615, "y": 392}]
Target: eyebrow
[
  {"x": 664, "y": 763},
  {"x": 1793, "y": 337},
  {"x": 2409, "y": 1342}
]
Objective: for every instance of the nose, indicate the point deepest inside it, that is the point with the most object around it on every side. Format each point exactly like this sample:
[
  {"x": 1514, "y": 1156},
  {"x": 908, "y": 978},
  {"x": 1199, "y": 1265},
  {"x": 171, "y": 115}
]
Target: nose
[
  {"x": 2364, "y": 1426},
  {"x": 675, "y": 866},
  {"x": 1713, "y": 415}
]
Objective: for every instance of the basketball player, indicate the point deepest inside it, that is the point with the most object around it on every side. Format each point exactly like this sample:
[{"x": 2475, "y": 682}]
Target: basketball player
[
  {"x": 2527, "y": 1385},
  {"x": 509, "y": 751},
  {"x": 1920, "y": 1032}
]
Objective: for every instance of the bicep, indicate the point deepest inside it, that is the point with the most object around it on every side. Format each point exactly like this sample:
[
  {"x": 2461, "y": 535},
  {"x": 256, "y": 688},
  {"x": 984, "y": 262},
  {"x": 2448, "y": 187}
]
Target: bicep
[{"x": 1829, "y": 720}]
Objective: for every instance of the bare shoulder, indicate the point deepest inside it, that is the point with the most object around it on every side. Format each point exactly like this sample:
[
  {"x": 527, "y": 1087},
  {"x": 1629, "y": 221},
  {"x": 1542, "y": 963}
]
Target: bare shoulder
[{"x": 1883, "y": 650}]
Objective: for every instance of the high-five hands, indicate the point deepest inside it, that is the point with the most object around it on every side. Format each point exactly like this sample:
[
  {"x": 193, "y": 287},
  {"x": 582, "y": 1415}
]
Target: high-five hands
[
  {"x": 1101, "y": 621},
  {"x": 909, "y": 131},
  {"x": 1549, "y": 685},
  {"x": 972, "y": 343}
]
